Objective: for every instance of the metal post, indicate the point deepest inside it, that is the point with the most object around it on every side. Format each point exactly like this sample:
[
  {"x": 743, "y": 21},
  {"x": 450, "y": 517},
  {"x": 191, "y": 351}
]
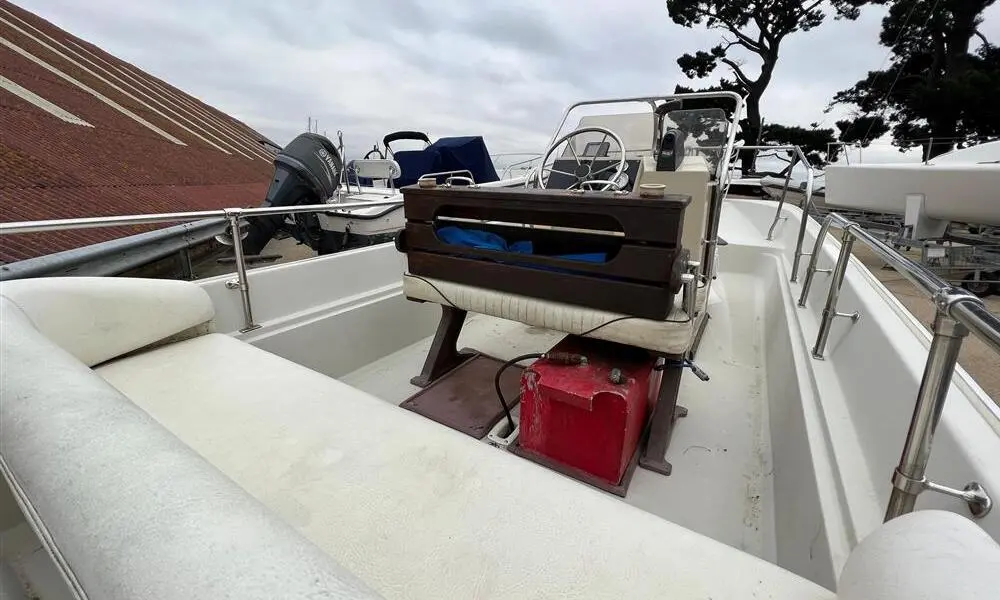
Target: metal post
[
  {"x": 187, "y": 269},
  {"x": 781, "y": 202},
  {"x": 813, "y": 260},
  {"x": 712, "y": 239},
  {"x": 241, "y": 273},
  {"x": 690, "y": 296},
  {"x": 806, "y": 210},
  {"x": 909, "y": 480},
  {"x": 830, "y": 310}
]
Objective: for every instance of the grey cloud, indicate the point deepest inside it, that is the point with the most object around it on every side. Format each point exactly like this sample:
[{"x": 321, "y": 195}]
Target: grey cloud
[
  {"x": 504, "y": 69},
  {"x": 528, "y": 29}
]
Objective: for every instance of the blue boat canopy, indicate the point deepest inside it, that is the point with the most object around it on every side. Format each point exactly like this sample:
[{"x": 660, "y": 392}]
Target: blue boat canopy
[{"x": 447, "y": 154}]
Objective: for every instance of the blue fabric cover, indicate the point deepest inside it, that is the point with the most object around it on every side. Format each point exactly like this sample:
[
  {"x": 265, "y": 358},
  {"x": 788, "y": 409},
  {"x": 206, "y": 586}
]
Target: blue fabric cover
[
  {"x": 447, "y": 154},
  {"x": 485, "y": 240},
  {"x": 469, "y": 153},
  {"x": 414, "y": 163}
]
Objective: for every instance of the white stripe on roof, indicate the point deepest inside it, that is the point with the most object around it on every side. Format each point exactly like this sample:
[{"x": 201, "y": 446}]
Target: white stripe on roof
[
  {"x": 90, "y": 91},
  {"x": 49, "y": 107},
  {"x": 107, "y": 82}
]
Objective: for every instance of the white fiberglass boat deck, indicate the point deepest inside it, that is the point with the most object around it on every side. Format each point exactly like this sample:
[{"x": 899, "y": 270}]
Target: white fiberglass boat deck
[
  {"x": 155, "y": 446},
  {"x": 721, "y": 458},
  {"x": 772, "y": 432}
]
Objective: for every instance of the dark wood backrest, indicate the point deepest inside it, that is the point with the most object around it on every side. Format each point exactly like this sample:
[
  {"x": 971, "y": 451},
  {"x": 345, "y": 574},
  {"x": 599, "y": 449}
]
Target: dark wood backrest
[{"x": 640, "y": 237}]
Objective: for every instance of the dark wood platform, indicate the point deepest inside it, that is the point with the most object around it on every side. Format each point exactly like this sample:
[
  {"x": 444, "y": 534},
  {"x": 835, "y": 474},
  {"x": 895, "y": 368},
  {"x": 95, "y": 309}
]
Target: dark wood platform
[
  {"x": 464, "y": 398},
  {"x": 619, "y": 489}
]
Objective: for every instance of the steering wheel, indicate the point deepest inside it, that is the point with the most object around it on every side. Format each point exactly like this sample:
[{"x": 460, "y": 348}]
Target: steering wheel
[{"x": 584, "y": 171}]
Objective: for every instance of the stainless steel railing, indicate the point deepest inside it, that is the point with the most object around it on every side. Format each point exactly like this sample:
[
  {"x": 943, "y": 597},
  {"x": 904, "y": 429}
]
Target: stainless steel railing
[
  {"x": 958, "y": 314},
  {"x": 521, "y": 165},
  {"x": 797, "y": 157},
  {"x": 233, "y": 215}
]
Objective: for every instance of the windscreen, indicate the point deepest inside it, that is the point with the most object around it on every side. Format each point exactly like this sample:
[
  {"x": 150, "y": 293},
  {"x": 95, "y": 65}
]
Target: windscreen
[
  {"x": 707, "y": 130},
  {"x": 635, "y": 130}
]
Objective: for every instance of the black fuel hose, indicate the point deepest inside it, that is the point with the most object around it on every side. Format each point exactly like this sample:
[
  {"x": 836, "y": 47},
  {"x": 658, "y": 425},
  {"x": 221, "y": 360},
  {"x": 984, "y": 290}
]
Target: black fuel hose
[{"x": 563, "y": 358}]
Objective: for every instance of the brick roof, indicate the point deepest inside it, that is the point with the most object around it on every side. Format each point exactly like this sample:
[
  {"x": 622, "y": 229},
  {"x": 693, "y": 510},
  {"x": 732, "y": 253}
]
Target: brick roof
[{"x": 128, "y": 161}]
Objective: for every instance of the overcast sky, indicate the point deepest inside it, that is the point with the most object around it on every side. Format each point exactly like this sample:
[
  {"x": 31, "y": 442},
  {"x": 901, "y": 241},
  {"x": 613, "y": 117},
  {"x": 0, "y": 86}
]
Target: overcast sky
[{"x": 504, "y": 69}]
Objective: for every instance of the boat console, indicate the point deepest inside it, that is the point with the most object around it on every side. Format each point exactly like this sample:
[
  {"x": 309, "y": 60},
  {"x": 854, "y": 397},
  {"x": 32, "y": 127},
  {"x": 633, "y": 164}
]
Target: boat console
[{"x": 600, "y": 245}]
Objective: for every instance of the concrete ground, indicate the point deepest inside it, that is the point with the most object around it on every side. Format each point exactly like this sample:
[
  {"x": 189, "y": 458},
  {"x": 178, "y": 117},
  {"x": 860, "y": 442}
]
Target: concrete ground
[
  {"x": 981, "y": 362},
  {"x": 278, "y": 250}
]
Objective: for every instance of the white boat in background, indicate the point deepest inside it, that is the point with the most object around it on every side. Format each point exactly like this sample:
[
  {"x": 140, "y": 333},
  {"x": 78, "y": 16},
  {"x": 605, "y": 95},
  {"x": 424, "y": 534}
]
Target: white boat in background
[
  {"x": 241, "y": 436},
  {"x": 961, "y": 185}
]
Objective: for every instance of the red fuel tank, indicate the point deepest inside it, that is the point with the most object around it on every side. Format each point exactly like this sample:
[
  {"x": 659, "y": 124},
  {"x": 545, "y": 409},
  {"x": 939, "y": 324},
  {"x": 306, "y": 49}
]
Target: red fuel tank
[{"x": 588, "y": 416}]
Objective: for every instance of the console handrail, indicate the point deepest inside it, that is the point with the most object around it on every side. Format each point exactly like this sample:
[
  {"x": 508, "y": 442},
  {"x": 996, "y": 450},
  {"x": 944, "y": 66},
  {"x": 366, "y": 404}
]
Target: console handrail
[
  {"x": 958, "y": 313},
  {"x": 233, "y": 215}
]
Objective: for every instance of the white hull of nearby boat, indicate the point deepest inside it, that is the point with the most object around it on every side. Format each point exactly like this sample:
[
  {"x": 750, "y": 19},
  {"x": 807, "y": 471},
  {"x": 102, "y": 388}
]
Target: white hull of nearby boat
[
  {"x": 774, "y": 187},
  {"x": 378, "y": 220},
  {"x": 963, "y": 186}
]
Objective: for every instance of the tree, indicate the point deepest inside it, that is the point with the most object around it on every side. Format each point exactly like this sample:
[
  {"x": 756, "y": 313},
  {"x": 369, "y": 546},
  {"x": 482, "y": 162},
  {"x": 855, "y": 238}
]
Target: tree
[
  {"x": 936, "y": 92},
  {"x": 757, "y": 27},
  {"x": 817, "y": 144}
]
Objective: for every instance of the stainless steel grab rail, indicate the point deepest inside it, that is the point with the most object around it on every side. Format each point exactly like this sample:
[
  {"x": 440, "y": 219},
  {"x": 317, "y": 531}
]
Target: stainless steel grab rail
[
  {"x": 521, "y": 165},
  {"x": 958, "y": 313},
  {"x": 233, "y": 215},
  {"x": 799, "y": 157}
]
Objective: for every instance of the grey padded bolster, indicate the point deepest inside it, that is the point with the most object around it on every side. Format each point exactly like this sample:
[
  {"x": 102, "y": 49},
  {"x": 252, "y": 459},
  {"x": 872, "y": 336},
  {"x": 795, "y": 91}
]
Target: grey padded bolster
[{"x": 126, "y": 509}]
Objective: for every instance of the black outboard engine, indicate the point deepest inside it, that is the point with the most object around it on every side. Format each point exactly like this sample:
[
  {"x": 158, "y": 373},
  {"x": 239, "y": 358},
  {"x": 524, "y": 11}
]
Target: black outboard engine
[{"x": 307, "y": 171}]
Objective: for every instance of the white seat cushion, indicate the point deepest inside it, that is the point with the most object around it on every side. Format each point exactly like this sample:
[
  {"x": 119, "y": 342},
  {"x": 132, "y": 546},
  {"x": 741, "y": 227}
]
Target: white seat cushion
[
  {"x": 672, "y": 336},
  {"x": 924, "y": 555},
  {"x": 98, "y": 318},
  {"x": 413, "y": 508},
  {"x": 125, "y": 509}
]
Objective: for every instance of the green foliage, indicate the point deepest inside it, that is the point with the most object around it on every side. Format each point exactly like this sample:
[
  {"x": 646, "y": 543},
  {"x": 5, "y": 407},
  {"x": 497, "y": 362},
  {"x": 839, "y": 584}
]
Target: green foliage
[
  {"x": 862, "y": 129},
  {"x": 757, "y": 27},
  {"x": 934, "y": 87},
  {"x": 816, "y": 144}
]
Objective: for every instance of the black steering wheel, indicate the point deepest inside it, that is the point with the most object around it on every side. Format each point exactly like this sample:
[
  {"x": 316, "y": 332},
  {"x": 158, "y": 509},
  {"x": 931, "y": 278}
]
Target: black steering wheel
[{"x": 584, "y": 172}]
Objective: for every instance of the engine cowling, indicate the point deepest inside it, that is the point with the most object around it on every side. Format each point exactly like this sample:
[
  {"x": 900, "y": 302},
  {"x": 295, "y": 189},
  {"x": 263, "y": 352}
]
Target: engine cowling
[{"x": 306, "y": 171}]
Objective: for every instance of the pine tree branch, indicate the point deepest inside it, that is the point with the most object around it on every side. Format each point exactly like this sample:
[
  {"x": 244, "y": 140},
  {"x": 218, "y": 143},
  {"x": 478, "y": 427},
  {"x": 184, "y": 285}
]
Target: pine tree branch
[
  {"x": 738, "y": 72},
  {"x": 758, "y": 19},
  {"x": 806, "y": 9},
  {"x": 745, "y": 40},
  {"x": 980, "y": 35}
]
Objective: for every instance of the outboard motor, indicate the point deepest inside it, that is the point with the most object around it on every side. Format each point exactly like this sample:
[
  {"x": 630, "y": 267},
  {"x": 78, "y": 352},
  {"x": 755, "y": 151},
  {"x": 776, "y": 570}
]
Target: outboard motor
[{"x": 307, "y": 171}]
